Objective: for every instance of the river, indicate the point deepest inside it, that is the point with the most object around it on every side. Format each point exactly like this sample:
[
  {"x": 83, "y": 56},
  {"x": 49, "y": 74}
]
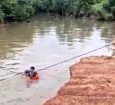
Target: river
[{"x": 44, "y": 41}]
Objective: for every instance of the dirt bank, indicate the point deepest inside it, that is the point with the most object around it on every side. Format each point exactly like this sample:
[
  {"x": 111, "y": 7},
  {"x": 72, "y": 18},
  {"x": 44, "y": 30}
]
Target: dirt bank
[{"x": 92, "y": 83}]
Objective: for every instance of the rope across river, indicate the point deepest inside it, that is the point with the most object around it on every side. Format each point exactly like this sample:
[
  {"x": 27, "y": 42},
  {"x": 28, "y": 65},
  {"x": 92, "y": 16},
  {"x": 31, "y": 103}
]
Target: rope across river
[{"x": 46, "y": 68}]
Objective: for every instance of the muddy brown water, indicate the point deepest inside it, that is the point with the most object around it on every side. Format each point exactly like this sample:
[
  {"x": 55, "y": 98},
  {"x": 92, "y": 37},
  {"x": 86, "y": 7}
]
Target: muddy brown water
[{"x": 43, "y": 42}]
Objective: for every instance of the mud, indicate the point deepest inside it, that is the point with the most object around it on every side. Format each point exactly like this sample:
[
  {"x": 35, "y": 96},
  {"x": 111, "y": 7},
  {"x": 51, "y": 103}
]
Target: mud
[{"x": 92, "y": 82}]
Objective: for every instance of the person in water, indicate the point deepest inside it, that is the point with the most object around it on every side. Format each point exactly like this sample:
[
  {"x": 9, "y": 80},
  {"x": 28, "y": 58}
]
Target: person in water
[{"x": 31, "y": 73}]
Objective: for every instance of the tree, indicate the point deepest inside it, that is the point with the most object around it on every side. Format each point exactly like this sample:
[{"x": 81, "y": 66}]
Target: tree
[{"x": 104, "y": 9}]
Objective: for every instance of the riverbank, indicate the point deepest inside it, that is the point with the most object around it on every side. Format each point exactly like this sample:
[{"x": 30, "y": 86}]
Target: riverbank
[{"x": 92, "y": 82}]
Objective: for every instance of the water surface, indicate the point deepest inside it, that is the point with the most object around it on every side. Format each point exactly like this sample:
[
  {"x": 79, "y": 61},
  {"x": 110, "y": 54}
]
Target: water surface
[{"x": 43, "y": 42}]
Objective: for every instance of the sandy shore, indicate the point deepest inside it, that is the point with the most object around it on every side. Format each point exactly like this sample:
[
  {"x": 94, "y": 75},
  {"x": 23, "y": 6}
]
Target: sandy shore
[{"x": 92, "y": 82}]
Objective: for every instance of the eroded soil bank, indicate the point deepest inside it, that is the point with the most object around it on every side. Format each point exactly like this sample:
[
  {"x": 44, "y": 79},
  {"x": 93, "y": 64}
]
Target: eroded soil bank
[{"x": 92, "y": 82}]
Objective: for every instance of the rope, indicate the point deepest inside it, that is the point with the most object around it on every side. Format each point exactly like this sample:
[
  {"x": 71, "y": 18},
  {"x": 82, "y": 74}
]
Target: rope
[
  {"x": 72, "y": 58},
  {"x": 45, "y": 68}
]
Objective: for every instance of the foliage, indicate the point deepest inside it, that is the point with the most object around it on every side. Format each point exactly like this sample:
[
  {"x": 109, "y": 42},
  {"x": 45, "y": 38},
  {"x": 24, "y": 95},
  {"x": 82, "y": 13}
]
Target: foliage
[
  {"x": 18, "y": 10},
  {"x": 104, "y": 9}
]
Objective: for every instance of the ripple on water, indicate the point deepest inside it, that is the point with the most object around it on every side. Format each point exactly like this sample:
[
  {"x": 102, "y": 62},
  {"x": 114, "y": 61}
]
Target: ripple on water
[{"x": 43, "y": 42}]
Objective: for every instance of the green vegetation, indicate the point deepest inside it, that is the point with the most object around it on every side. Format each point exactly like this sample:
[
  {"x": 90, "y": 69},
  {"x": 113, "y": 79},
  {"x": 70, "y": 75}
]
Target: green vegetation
[
  {"x": 18, "y": 10},
  {"x": 105, "y": 9}
]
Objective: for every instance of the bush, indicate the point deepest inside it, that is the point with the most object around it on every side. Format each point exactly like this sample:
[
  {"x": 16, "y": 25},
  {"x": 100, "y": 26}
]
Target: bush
[{"x": 13, "y": 10}]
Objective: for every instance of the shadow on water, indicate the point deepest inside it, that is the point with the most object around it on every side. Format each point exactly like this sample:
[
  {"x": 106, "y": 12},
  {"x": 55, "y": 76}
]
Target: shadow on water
[{"x": 43, "y": 42}]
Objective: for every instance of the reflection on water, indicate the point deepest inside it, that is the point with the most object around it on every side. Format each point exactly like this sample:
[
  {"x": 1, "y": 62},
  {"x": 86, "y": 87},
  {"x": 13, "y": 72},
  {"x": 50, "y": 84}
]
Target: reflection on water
[{"x": 42, "y": 42}]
